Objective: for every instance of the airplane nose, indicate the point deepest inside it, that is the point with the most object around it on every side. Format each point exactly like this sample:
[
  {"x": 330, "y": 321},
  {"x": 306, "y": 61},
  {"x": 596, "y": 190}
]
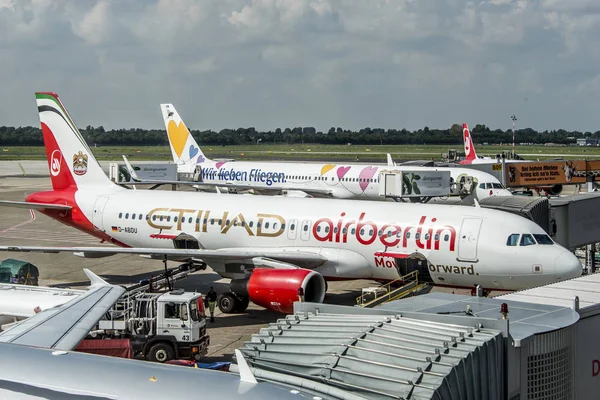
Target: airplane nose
[{"x": 568, "y": 266}]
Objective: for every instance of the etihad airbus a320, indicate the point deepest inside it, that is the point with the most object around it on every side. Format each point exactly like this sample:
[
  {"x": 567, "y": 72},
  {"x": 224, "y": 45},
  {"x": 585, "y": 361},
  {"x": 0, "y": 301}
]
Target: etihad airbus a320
[{"x": 271, "y": 246}]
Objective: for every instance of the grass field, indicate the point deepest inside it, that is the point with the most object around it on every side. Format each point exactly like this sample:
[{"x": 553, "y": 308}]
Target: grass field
[{"x": 312, "y": 152}]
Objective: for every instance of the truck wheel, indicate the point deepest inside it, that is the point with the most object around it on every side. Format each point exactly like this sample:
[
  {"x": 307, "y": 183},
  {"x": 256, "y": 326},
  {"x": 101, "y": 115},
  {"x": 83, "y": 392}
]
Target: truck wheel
[
  {"x": 227, "y": 302},
  {"x": 161, "y": 352},
  {"x": 242, "y": 303}
]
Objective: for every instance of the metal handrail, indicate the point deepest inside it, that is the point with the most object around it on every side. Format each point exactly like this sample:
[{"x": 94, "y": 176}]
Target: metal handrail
[{"x": 410, "y": 278}]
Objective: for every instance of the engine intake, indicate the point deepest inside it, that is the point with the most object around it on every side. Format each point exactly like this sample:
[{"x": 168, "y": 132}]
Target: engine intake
[{"x": 277, "y": 289}]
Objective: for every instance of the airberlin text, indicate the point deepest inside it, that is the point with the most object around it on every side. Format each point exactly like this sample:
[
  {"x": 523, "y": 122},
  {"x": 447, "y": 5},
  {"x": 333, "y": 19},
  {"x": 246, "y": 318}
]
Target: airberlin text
[{"x": 426, "y": 235}]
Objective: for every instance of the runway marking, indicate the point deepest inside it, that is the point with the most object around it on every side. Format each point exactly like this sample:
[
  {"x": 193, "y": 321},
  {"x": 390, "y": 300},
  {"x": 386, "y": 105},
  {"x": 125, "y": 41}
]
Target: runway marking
[{"x": 31, "y": 219}]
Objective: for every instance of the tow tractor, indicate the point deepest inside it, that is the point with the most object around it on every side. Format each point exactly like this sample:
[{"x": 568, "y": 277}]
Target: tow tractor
[{"x": 160, "y": 326}]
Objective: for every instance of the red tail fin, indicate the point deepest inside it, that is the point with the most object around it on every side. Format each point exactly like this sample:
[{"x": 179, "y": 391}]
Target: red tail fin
[{"x": 470, "y": 154}]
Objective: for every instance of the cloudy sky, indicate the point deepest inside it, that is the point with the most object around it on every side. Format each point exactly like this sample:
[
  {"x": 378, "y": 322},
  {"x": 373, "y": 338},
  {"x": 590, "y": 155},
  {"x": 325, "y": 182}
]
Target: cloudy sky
[{"x": 321, "y": 63}]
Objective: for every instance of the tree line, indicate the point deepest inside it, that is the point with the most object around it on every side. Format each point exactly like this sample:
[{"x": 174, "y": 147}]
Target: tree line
[{"x": 32, "y": 136}]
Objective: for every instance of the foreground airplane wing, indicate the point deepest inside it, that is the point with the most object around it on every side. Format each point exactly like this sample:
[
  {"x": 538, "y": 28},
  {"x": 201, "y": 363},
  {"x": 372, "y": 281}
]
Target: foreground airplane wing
[
  {"x": 34, "y": 206},
  {"x": 287, "y": 258},
  {"x": 63, "y": 327}
]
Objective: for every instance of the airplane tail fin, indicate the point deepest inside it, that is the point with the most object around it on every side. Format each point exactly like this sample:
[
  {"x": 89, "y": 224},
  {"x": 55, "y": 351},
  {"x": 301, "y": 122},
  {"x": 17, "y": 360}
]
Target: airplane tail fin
[
  {"x": 70, "y": 160},
  {"x": 470, "y": 154},
  {"x": 184, "y": 148}
]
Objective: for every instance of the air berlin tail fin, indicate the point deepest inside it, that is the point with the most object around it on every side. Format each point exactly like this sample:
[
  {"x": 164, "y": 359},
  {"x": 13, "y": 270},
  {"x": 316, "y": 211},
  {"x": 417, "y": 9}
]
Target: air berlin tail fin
[
  {"x": 470, "y": 154},
  {"x": 184, "y": 148},
  {"x": 70, "y": 160}
]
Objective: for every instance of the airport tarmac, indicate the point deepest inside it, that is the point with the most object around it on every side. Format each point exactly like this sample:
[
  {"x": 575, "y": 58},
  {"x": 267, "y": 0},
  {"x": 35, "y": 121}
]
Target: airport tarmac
[{"x": 24, "y": 227}]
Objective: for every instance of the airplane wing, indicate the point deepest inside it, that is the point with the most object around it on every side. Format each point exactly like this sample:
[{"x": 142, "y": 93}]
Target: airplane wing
[
  {"x": 63, "y": 327},
  {"x": 258, "y": 256},
  {"x": 34, "y": 206}
]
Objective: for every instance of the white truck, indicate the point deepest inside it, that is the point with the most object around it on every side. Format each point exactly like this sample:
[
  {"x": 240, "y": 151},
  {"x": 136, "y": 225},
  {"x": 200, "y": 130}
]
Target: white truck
[{"x": 160, "y": 326}]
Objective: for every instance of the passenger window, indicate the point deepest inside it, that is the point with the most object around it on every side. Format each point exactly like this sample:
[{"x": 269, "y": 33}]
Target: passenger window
[
  {"x": 266, "y": 225},
  {"x": 436, "y": 237},
  {"x": 132, "y": 216},
  {"x": 327, "y": 229},
  {"x": 427, "y": 236},
  {"x": 127, "y": 216},
  {"x": 120, "y": 215},
  {"x": 353, "y": 232},
  {"x": 140, "y": 217},
  {"x": 417, "y": 236},
  {"x": 543, "y": 239},
  {"x": 174, "y": 219},
  {"x": 446, "y": 238},
  {"x": 282, "y": 226},
  {"x": 169, "y": 218},
  {"x": 305, "y": 228},
  {"x": 512, "y": 239},
  {"x": 318, "y": 228},
  {"x": 526, "y": 240},
  {"x": 293, "y": 226},
  {"x": 250, "y": 224}
]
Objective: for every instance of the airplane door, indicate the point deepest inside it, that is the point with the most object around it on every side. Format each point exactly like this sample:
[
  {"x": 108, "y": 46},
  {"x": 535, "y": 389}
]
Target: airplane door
[
  {"x": 469, "y": 236},
  {"x": 293, "y": 229},
  {"x": 305, "y": 235},
  {"x": 98, "y": 210}
]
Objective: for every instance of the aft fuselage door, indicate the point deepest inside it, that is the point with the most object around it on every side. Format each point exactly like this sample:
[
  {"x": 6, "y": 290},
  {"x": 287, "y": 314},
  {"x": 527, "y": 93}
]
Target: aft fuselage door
[
  {"x": 468, "y": 239},
  {"x": 98, "y": 210}
]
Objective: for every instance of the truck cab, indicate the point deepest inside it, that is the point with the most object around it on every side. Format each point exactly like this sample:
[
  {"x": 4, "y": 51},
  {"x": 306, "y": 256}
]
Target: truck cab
[{"x": 178, "y": 315}]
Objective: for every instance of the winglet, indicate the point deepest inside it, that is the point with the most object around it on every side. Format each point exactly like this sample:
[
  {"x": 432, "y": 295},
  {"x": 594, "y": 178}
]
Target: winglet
[
  {"x": 95, "y": 280},
  {"x": 131, "y": 170},
  {"x": 245, "y": 374},
  {"x": 390, "y": 162}
]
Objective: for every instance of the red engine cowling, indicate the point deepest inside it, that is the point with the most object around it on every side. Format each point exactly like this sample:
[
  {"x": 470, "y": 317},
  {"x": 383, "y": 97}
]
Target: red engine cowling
[{"x": 277, "y": 289}]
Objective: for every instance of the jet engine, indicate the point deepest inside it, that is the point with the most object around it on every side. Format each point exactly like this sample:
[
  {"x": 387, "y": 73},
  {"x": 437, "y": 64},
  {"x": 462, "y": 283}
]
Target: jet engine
[
  {"x": 554, "y": 190},
  {"x": 274, "y": 289}
]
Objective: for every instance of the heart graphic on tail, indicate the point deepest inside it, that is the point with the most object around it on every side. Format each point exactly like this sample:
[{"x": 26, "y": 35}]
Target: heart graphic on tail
[
  {"x": 365, "y": 175},
  {"x": 342, "y": 171},
  {"x": 193, "y": 151},
  {"x": 178, "y": 135}
]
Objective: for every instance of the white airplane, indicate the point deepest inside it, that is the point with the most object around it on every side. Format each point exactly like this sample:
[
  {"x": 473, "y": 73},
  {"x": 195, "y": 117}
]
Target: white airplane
[
  {"x": 337, "y": 180},
  {"x": 471, "y": 158},
  {"x": 272, "y": 246},
  {"x": 43, "y": 342}
]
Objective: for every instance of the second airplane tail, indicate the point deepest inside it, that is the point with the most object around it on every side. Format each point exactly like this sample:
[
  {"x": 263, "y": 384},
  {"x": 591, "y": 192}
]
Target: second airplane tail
[
  {"x": 184, "y": 148},
  {"x": 470, "y": 154}
]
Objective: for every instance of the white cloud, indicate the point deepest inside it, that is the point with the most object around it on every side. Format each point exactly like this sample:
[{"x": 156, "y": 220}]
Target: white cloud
[{"x": 270, "y": 63}]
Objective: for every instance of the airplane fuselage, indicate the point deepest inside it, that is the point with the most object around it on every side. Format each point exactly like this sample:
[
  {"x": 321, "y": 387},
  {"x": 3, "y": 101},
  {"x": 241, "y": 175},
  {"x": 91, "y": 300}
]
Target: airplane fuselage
[
  {"x": 343, "y": 181},
  {"x": 463, "y": 246}
]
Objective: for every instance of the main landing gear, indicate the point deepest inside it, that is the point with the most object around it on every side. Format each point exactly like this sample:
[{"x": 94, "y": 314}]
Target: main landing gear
[{"x": 230, "y": 302}]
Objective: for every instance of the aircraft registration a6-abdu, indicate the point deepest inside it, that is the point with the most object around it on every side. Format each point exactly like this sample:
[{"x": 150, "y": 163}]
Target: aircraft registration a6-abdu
[
  {"x": 272, "y": 246},
  {"x": 340, "y": 181}
]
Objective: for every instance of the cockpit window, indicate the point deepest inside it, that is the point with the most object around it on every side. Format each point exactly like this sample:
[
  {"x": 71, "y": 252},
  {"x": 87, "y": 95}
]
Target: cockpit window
[
  {"x": 497, "y": 186},
  {"x": 527, "y": 240},
  {"x": 543, "y": 239},
  {"x": 512, "y": 239},
  {"x": 482, "y": 186}
]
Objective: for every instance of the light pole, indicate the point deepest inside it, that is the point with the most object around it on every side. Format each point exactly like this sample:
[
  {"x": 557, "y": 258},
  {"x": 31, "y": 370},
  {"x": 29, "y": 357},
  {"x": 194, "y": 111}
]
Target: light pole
[{"x": 514, "y": 120}]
